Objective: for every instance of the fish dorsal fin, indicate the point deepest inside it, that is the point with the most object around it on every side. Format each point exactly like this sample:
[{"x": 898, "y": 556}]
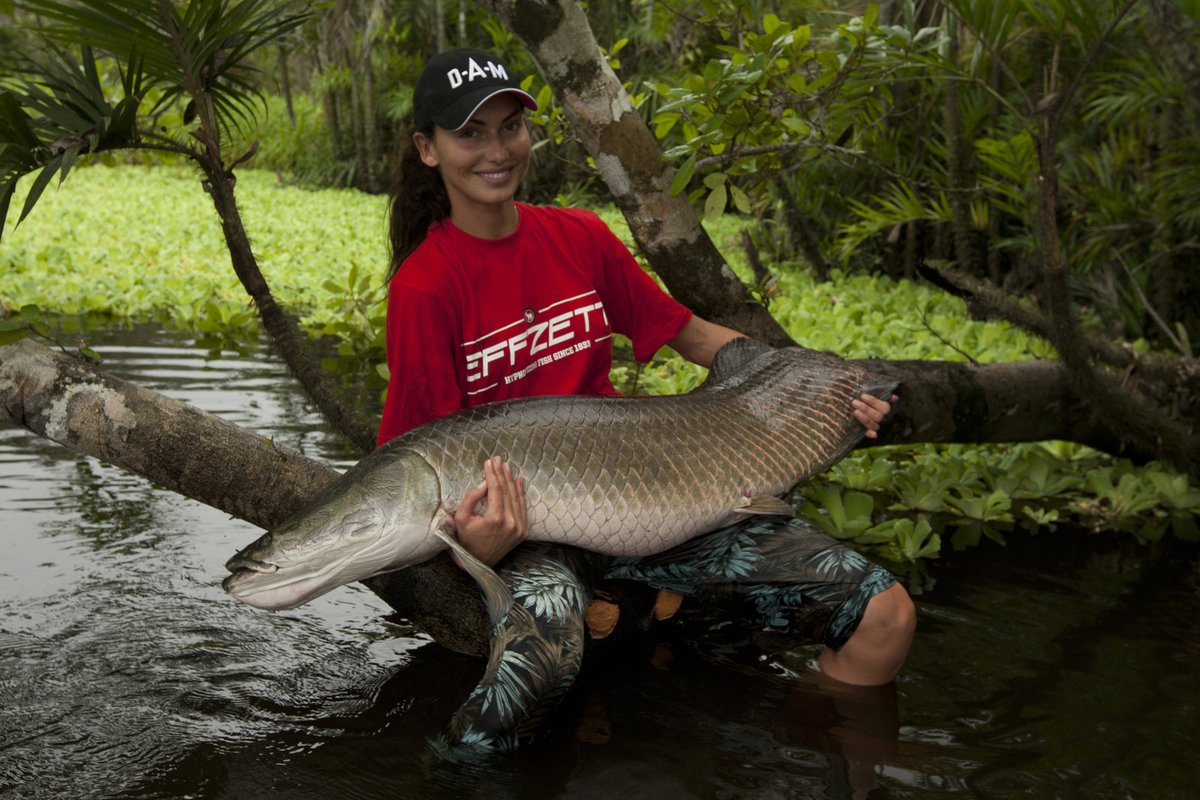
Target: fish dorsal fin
[
  {"x": 733, "y": 357},
  {"x": 496, "y": 595},
  {"x": 766, "y": 504}
]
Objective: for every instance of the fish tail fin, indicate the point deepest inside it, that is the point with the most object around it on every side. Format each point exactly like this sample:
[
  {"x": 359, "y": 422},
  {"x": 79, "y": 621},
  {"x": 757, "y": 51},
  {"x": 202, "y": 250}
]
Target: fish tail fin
[{"x": 496, "y": 595}]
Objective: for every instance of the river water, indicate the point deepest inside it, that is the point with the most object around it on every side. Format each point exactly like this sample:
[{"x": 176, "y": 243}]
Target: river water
[{"x": 1057, "y": 666}]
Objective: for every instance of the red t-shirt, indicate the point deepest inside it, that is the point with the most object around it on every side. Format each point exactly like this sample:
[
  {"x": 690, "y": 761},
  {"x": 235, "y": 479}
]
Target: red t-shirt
[{"x": 474, "y": 321}]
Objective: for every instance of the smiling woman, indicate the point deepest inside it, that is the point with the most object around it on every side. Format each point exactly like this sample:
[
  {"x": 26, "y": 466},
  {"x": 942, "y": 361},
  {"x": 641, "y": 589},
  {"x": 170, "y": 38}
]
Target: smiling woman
[
  {"x": 482, "y": 162},
  {"x": 491, "y": 299},
  {"x": 470, "y": 126}
]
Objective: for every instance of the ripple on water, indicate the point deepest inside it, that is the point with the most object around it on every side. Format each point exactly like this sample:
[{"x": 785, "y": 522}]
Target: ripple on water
[{"x": 122, "y": 678}]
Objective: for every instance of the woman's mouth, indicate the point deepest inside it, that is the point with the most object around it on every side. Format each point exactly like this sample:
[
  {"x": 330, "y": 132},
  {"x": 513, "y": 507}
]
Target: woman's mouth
[{"x": 499, "y": 176}]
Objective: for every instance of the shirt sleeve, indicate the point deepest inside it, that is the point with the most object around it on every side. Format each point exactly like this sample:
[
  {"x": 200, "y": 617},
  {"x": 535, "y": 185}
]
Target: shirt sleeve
[
  {"x": 634, "y": 303},
  {"x": 421, "y": 358}
]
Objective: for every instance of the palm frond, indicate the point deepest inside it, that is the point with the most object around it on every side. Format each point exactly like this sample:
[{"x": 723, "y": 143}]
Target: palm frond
[
  {"x": 1133, "y": 87},
  {"x": 899, "y": 204},
  {"x": 190, "y": 49},
  {"x": 52, "y": 116}
]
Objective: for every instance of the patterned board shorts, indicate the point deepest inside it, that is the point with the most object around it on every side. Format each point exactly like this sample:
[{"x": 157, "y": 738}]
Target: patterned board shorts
[{"x": 786, "y": 574}]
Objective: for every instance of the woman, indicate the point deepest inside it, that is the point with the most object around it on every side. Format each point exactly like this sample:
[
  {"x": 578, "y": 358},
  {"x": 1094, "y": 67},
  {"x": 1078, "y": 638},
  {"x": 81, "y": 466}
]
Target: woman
[{"x": 491, "y": 299}]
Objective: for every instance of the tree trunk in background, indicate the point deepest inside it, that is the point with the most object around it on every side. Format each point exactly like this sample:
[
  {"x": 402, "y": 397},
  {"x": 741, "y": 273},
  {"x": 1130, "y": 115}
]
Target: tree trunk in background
[
  {"x": 959, "y": 172},
  {"x": 1173, "y": 34},
  {"x": 215, "y": 462},
  {"x": 372, "y": 180},
  {"x": 285, "y": 84},
  {"x": 329, "y": 96},
  {"x": 362, "y": 166},
  {"x": 439, "y": 24},
  {"x": 628, "y": 157},
  {"x": 798, "y": 225},
  {"x": 374, "y": 153}
]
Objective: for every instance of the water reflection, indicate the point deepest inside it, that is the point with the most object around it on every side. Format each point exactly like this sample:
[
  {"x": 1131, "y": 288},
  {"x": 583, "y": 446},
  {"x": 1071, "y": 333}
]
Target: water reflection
[{"x": 1053, "y": 667}]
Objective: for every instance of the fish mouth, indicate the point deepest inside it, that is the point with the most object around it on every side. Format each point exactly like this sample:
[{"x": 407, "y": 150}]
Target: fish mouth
[
  {"x": 259, "y": 584},
  {"x": 274, "y": 587},
  {"x": 240, "y": 563},
  {"x": 255, "y": 588}
]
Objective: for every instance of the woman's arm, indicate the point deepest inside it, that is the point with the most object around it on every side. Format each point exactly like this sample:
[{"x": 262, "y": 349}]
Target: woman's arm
[{"x": 699, "y": 340}]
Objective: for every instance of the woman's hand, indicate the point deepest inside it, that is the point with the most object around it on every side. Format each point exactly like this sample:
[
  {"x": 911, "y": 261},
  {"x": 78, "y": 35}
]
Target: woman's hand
[
  {"x": 503, "y": 525},
  {"x": 870, "y": 411}
]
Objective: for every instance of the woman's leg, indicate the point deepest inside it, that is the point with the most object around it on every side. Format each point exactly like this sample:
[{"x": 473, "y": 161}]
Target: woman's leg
[
  {"x": 536, "y": 653},
  {"x": 875, "y": 652},
  {"x": 794, "y": 578}
]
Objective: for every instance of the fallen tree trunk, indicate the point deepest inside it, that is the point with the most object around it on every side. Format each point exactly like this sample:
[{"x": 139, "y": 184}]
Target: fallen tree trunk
[
  {"x": 215, "y": 462},
  {"x": 211, "y": 460}
]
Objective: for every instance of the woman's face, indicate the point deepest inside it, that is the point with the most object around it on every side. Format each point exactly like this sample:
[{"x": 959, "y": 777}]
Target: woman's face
[{"x": 483, "y": 162}]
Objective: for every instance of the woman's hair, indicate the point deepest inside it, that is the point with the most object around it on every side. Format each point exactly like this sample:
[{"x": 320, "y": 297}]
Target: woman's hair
[{"x": 418, "y": 200}]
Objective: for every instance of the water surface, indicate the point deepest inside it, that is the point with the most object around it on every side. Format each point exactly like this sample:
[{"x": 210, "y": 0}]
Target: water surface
[{"x": 1055, "y": 667}]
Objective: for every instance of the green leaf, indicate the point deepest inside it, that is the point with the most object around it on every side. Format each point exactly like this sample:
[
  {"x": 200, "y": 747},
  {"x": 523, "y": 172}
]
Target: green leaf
[
  {"x": 801, "y": 37},
  {"x": 39, "y": 185},
  {"x": 714, "y": 206},
  {"x": 871, "y": 15},
  {"x": 14, "y": 335},
  {"x": 14, "y": 122},
  {"x": 684, "y": 175},
  {"x": 859, "y": 507},
  {"x": 917, "y": 540},
  {"x": 740, "y": 199},
  {"x": 6, "y": 195}
]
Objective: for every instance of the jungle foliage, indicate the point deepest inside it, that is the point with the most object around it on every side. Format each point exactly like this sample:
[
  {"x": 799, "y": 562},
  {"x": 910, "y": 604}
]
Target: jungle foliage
[
  {"x": 841, "y": 154},
  {"x": 879, "y": 138},
  {"x": 882, "y": 139}
]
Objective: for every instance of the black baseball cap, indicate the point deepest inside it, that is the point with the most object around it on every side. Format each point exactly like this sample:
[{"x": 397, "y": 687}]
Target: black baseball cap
[{"x": 456, "y": 83}]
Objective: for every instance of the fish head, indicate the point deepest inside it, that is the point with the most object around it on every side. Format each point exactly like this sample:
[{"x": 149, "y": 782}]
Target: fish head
[{"x": 376, "y": 518}]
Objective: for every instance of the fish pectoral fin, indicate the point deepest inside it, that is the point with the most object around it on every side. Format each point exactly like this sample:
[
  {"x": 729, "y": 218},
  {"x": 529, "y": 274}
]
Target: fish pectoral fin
[
  {"x": 765, "y": 504},
  {"x": 496, "y": 595}
]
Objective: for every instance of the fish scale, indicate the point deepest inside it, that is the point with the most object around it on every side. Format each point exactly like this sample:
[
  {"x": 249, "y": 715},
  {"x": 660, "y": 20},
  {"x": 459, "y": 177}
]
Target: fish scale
[{"x": 636, "y": 476}]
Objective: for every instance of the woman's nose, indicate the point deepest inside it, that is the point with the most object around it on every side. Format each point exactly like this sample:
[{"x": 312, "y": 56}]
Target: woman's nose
[{"x": 497, "y": 149}]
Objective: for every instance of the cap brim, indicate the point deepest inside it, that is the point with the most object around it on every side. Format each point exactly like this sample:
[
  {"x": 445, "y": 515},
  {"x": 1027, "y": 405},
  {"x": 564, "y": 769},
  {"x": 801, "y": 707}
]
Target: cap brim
[{"x": 460, "y": 112}]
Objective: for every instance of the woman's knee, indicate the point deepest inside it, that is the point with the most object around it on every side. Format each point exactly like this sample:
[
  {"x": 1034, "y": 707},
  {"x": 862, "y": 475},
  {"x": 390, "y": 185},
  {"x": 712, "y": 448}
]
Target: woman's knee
[{"x": 890, "y": 619}]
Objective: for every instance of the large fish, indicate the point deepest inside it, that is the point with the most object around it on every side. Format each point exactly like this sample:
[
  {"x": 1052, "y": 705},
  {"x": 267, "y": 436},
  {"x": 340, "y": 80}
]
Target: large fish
[{"x": 620, "y": 476}]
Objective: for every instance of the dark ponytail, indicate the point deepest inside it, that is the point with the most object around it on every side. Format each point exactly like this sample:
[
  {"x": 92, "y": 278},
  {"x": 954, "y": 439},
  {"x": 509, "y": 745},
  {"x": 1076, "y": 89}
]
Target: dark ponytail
[{"x": 418, "y": 200}]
